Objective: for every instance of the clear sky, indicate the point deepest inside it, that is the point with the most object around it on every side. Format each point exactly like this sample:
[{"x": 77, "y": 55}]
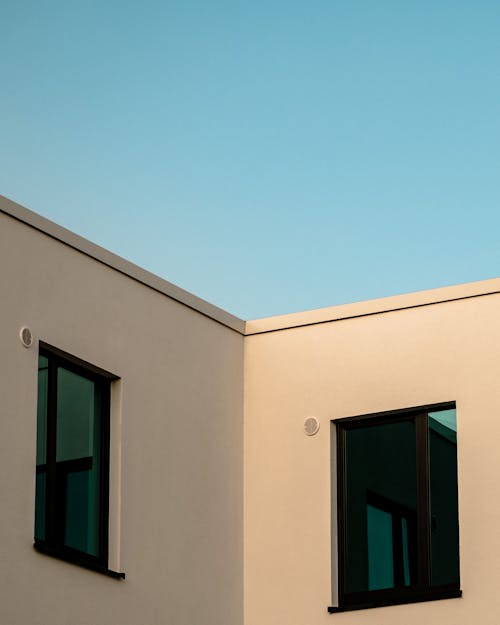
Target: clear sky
[{"x": 269, "y": 156}]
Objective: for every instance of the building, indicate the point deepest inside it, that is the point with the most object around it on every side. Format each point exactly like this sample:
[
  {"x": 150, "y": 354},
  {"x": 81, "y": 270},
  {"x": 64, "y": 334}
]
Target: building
[{"x": 333, "y": 466}]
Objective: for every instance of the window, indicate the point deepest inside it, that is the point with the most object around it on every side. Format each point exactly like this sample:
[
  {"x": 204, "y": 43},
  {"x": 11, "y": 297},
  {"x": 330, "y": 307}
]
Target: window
[
  {"x": 397, "y": 507},
  {"x": 72, "y": 460}
]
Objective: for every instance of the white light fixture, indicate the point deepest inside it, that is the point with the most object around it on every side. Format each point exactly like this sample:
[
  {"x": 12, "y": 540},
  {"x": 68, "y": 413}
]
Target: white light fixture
[
  {"x": 311, "y": 426},
  {"x": 26, "y": 336}
]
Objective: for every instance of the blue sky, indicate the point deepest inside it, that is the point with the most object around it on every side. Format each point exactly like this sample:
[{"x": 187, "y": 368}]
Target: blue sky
[{"x": 267, "y": 156}]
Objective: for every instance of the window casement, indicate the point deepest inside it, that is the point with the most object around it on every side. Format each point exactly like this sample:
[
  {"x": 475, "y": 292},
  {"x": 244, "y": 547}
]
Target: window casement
[
  {"x": 397, "y": 507},
  {"x": 72, "y": 460}
]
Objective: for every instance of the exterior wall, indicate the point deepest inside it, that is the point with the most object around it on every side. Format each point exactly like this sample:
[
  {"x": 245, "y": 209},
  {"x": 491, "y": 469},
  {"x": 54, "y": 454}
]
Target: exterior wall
[
  {"x": 359, "y": 365},
  {"x": 220, "y": 507},
  {"x": 176, "y": 455}
]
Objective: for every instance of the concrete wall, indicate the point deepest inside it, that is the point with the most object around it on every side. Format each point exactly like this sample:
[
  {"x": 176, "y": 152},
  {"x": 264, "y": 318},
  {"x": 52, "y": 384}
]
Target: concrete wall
[
  {"x": 176, "y": 454},
  {"x": 367, "y": 361}
]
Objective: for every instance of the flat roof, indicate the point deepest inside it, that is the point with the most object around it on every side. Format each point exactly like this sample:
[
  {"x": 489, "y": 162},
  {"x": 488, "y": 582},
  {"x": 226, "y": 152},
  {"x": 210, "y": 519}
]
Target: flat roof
[{"x": 258, "y": 326}]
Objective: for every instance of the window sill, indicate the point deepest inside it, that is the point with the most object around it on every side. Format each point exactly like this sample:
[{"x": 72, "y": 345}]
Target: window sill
[
  {"x": 74, "y": 558},
  {"x": 449, "y": 593}
]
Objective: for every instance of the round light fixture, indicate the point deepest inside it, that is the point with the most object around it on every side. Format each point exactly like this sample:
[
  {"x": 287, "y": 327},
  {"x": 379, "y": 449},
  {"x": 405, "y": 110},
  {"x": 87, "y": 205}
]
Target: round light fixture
[
  {"x": 26, "y": 336},
  {"x": 311, "y": 426}
]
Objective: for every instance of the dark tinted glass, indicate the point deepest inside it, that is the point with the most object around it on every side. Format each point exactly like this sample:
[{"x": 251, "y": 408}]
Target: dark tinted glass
[
  {"x": 70, "y": 484},
  {"x": 443, "y": 497},
  {"x": 77, "y": 458},
  {"x": 380, "y": 506},
  {"x": 41, "y": 448}
]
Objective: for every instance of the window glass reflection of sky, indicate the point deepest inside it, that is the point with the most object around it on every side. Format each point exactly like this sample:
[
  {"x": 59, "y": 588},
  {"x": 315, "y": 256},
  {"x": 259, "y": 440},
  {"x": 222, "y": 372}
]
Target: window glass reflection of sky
[{"x": 446, "y": 418}]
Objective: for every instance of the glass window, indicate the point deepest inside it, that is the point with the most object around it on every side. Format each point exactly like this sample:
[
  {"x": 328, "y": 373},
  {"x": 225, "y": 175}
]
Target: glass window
[
  {"x": 398, "y": 507},
  {"x": 443, "y": 497},
  {"x": 71, "y": 505}
]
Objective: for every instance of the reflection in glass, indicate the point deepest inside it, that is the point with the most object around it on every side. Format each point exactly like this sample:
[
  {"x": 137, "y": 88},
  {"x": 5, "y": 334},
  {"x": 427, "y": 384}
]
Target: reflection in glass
[
  {"x": 380, "y": 549},
  {"x": 443, "y": 497},
  {"x": 41, "y": 447},
  {"x": 381, "y": 506},
  {"x": 40, "y": 496},
  {"x": 78, "y": 467},
  {"x": 70, "y": 475}
]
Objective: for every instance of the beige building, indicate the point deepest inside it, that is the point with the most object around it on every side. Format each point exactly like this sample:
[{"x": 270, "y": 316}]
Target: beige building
[{"x": 167, "y": 463}]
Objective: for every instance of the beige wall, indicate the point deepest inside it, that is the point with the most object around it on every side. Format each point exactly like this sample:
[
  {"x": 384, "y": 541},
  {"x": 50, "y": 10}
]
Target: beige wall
[
  {"x": 360, "y": 365},
  {"x": 176, "y": 477},
  {"x": 220, "y": 506}
]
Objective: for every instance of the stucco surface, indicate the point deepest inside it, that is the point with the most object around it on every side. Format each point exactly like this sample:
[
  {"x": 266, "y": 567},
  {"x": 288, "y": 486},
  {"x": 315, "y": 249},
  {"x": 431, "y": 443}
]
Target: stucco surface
[
  {"x": 220, "y": 507},
  {"x": 176, "y": 452},
  {"x": 412, "y": 357}
]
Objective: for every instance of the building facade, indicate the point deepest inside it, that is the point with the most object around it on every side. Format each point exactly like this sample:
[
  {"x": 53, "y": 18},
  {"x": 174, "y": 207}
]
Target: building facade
[{"x": 171, "y": 463}]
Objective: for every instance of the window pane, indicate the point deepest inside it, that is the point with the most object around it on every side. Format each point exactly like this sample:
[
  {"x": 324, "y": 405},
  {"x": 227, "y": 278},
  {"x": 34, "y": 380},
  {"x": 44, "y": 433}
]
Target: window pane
[
  {"x": 77, "y": 514},
  {"x": 406, "y": 551},
  {"x": 41, "y": 410},
  {"x": 41, "y": 447},
  {"x": 380, "y": 495},
  {"x": 75, "y": 415},
  {"x": 40, "y": 506},
  {"x": 443, "y": 497},
  {"x": 380, "y": 551},
  {"x": 78, "y": 459}
]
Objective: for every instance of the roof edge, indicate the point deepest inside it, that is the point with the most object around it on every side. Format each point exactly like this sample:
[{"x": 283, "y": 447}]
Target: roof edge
[
  {"x": 373, "y": 307},
  {"x": 257, "y": 326},
  {"x": 151, "y": 280}
]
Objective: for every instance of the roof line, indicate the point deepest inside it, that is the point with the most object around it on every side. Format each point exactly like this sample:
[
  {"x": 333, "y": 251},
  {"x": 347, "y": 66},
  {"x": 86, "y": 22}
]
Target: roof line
[
  {"x": 367, "y": 314},
  {"x": 125, "y": 267},
  {"x": 277, "y": 323}
]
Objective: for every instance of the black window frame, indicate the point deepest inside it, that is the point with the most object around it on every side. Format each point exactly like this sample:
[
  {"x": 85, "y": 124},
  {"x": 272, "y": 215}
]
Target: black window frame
[
  {"x": 53, "y": 544},
  {"x": 422, "y": 590}
]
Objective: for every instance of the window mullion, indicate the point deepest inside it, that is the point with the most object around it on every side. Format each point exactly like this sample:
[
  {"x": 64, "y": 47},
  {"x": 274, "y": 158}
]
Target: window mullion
[{"x": 423, "y": 514}]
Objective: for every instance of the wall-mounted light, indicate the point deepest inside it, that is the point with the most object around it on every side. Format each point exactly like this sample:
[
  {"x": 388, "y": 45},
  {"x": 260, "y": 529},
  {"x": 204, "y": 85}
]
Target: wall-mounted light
[
  {"x": 26, "y": 336},
  {"x": 311, "y": 426}
]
